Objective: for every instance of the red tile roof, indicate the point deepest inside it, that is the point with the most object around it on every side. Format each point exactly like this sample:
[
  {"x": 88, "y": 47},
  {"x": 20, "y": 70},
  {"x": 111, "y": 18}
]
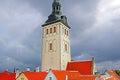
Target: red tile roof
[
  {"x": 35, "y": 75},
  {"x": 92, "y": 77},
  {"x": 72, "y": 75},
  {"x": 61, "y": 75},
  {"x": 84, "y": 67},
  {"x": 7, "y": 75},
  {"x": 83, "y": 77},
  {"x": 113, "y": 75}
]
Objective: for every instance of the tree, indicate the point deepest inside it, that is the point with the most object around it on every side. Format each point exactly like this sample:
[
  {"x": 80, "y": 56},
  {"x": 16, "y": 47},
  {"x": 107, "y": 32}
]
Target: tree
[{"x": 117, "y": 71}]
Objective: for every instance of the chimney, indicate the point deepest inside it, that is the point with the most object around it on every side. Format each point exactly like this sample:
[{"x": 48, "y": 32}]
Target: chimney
[
  {"x": 93, "y": 66},
  {"x": 28, "y": 69},
  {"x": 37, "y": 69},
  {"x": 6, "y": 70}
]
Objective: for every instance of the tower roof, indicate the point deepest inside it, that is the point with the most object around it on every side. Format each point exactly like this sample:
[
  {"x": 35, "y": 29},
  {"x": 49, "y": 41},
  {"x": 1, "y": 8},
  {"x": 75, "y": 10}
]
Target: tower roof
[{"x": 56, "y": 14}]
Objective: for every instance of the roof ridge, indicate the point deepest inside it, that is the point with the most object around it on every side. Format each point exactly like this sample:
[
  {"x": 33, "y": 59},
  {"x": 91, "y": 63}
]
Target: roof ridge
[
  {"x": 87, "y": 75},
  {"x": 80, "y": 61}
]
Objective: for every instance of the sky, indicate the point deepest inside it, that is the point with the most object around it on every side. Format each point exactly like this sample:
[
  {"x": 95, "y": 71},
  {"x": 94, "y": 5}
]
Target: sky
[{"x": 95, "y": 31}]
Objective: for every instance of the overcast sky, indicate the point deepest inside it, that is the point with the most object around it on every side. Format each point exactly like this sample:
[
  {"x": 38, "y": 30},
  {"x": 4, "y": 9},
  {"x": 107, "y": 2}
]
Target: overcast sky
[{"x": 95, "y": 31}]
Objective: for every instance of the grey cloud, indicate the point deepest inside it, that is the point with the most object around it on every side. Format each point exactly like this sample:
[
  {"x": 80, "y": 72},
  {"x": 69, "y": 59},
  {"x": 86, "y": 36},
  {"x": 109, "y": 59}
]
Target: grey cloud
[
  {"x": 101, "y": 40},
  {"x": 108, "y": 65},
  {"x": 17, "y": 24}
]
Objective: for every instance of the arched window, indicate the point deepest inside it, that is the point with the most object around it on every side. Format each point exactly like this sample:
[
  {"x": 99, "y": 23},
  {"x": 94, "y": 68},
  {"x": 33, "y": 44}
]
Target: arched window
[
  {"x": 50, "y": 30},
  {"x": 57, "y": 7},
  {"x": 46, "y": 31},
  {"x": 65, "y": 31},
  {"x": 65, "y": 47},
  {"x": 51, "y": 46},
  {"x": 54, "y": 29}
]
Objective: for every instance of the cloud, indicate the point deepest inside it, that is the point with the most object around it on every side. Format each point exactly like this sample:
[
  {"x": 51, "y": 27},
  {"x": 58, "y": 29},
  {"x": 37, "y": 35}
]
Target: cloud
[
  {"x": 9, "y": 62},
  {"x": 101, "y": 39},
  {"x": 21, "y": 18},
  {"x": 17, "y": 25},
  {"x": 108, "y": 65},
  {"x": 101, "y": 66}
]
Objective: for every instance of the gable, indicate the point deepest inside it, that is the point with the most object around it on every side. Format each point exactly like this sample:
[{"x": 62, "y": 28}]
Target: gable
[
  {"x": 50, "y": 75},
  {"x": 22, "y": 77}
]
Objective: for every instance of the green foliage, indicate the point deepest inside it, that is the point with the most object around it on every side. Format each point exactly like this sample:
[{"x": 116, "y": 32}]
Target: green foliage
[{"x": 117, "y": 71}]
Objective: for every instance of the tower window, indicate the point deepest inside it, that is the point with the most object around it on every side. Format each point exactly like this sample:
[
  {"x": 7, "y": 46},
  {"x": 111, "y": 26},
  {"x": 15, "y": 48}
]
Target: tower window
[
  {"x": 50, "y": 46},
  {"x": 46, "y": 31},
  {"x": 65, "y": 31},
  {"x": 50, "y": 30},
  {"x": 65, "y": 47},
  {"x": 54, "y": 29},
  {"x": 57, "y": 7}
]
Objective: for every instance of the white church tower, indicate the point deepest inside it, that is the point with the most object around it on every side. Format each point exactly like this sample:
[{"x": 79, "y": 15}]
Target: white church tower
[{"x": 55, "y": 40}]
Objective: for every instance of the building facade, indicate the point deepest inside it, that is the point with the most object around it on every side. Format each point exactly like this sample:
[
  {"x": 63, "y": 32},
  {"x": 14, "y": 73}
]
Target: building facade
[{"x": 55, "y": 40}]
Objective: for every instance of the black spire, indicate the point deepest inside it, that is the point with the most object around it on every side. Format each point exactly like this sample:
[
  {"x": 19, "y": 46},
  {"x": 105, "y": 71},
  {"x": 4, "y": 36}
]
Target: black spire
[
  {"x": 56, "y": 11},
  {"x": 56, "y": 7},
  {"x": 56, "y": 14}
]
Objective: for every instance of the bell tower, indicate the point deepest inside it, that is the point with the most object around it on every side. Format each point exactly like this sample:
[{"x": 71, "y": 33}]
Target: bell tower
[{"x": 55, "y": 40}]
